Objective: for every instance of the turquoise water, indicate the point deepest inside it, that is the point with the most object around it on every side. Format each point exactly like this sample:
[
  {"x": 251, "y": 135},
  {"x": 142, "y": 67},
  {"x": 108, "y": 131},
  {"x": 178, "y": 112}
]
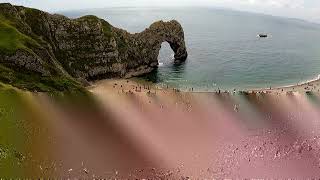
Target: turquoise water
[{"x": 224, "y": 50}]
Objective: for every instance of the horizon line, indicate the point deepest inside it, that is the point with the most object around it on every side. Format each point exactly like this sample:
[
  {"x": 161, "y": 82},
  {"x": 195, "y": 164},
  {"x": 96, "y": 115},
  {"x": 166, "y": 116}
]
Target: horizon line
[{"x": 173, "y": 6}]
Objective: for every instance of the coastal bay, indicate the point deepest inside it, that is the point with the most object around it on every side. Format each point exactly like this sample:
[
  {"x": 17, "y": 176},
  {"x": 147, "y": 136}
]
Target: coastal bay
[{"x": 175, "y": 93}]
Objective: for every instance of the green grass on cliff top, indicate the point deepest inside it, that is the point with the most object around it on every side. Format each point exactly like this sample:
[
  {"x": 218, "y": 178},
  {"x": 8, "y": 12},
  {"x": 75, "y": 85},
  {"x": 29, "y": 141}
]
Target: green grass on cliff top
[
  {"x": 11, "y": 39},
  {"x": 36, "y": 82}
]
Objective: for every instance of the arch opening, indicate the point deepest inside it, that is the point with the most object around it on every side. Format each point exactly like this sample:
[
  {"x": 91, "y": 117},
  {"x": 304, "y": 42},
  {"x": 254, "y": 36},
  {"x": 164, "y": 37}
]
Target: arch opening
[{"x": 166, "y": 54}]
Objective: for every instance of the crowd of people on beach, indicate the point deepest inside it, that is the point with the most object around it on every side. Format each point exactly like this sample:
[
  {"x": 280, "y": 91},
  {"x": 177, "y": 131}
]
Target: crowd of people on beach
[
  {"x": 130, "y": 88},
  {"x": 152, "y": 90}
]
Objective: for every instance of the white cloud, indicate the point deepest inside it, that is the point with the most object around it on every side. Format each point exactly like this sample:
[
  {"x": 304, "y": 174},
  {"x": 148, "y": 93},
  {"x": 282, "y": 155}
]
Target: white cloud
[{"x": 304, "y": 9}]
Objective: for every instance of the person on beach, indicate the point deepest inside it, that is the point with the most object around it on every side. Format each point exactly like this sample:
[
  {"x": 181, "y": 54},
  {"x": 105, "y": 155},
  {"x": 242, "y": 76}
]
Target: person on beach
[{"x": 236, "y": 109}]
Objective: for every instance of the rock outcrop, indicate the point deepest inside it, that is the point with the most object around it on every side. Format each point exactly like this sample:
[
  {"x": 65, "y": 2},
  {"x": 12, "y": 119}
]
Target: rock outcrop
[{"x": 87, "y": 48}]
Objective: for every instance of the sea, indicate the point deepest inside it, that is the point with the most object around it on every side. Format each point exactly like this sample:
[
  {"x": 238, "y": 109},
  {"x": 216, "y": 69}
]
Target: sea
[{"x": 224, "y": 49}]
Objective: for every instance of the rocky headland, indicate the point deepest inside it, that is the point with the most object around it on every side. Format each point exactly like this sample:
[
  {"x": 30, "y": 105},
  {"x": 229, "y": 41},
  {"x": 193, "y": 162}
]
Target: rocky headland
[{"x": 42, "y": 51}]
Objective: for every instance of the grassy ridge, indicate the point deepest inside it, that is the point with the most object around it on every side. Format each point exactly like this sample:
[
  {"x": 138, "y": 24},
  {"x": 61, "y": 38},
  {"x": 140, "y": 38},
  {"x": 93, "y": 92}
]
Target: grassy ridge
[
  {"x": 34, "y": 81},
  {"x": 11, "y": 39}
]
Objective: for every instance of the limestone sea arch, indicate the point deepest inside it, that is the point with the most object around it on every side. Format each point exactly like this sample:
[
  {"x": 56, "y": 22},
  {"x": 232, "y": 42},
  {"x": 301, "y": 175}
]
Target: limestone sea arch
[{"x": 86, "y": 48}]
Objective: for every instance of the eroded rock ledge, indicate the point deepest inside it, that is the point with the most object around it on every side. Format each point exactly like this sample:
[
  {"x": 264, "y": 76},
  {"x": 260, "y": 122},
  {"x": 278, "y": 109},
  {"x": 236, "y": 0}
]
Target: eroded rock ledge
[{"x": 86, "y": 48}]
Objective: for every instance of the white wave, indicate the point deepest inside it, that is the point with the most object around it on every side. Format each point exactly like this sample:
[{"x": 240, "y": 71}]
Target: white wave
[
  {"x": 311, "y": 80},
  {"x": 303, "y": 82},
  {"x": 172, "y": 56}
]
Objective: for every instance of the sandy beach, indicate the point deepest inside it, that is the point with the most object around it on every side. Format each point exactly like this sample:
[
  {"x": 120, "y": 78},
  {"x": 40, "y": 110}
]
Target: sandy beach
[
  {"x": 138, "y": 131},
  {"x": 133, "y": 85},
  {"x": 219, "y": 135},
  {"x": 310, "y": 86}
]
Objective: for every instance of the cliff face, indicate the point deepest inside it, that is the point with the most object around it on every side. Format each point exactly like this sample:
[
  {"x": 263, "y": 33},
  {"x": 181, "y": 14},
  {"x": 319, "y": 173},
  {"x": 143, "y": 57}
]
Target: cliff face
[{"x": 86, "y": 48}]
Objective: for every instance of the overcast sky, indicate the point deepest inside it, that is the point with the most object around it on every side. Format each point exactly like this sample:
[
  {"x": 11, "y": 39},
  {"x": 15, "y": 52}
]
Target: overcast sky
[{"x": 302, "y": 9}]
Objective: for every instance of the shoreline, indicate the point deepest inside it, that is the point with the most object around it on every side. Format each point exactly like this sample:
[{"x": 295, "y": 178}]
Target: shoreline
[
  {"x": 312, "y": 85},
  {"x": 305, "y": 86}
]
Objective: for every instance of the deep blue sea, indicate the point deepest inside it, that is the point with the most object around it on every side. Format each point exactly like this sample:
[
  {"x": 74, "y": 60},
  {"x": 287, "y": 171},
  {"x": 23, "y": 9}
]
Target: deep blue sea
[{"x": 224, "y": 50}]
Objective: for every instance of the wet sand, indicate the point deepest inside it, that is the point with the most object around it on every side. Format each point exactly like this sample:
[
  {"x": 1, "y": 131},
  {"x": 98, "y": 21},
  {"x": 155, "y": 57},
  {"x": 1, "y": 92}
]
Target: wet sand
[
  {"x": 129, "y": 85},
  {"x": 124, "y": 85},
  {"x": 311, "y": 86}
]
